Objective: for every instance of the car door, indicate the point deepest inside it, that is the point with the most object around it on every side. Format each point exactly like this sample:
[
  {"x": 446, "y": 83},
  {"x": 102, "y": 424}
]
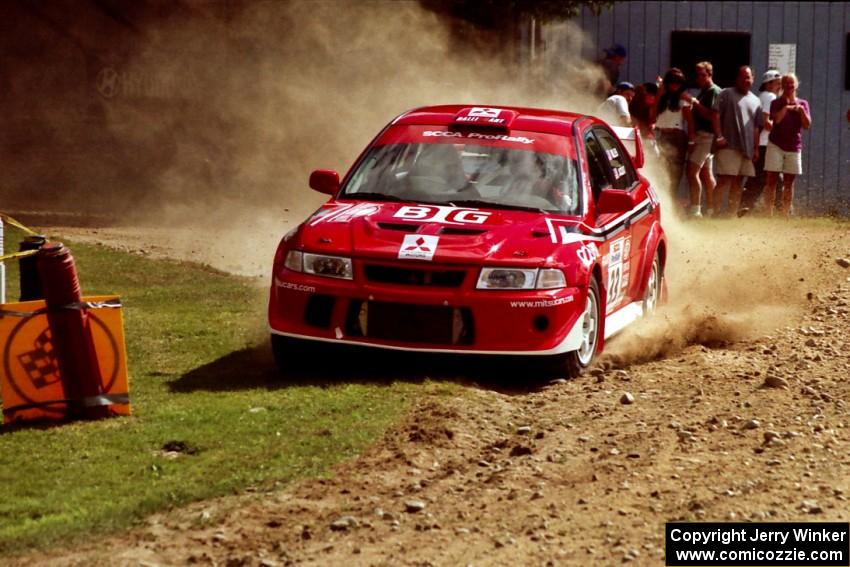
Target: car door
[
  {"x": 616, "y": 249},
  {"x": 625, "y": 177}
]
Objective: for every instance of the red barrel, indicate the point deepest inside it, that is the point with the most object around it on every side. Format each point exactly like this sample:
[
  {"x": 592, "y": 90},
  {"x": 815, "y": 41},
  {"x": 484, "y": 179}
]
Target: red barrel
[{"x": 71, "y": 335}]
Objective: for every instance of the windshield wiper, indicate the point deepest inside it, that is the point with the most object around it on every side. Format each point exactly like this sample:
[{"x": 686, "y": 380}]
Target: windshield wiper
[
  {"x": 492, "y": 205},
  {"x": 369, "y": 196}
]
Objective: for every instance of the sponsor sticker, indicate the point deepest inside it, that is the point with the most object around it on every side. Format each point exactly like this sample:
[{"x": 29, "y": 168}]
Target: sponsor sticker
[
  {"x": 294, "y": 286},
  {"x": 587, "y": 253},
  {"x": 480, "y": 114},
  {"x": 616, "y": 253},
  {"x": 450, "y": 215},
  {"x": 418, "y": 247},
  {"x": 484, "y": 112},
  {"x": 537, "y": 303},
  {"x": 476, "y": 136}
]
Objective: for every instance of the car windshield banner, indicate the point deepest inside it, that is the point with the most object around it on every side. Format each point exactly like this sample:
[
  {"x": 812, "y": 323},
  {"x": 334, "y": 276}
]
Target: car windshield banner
[{"x": 514, "y": 139}]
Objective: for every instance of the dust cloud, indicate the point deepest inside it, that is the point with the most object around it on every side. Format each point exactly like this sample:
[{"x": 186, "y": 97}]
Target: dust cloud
[
  {"x": 729, "y": 280},
  {"x": 212, "y": 122},
  {"x": 287, "y": 87},
  {"x": 318, "y": 81}
]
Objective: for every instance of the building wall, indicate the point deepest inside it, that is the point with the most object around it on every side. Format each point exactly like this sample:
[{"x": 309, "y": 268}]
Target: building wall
[{"x": 818, "y": 28}]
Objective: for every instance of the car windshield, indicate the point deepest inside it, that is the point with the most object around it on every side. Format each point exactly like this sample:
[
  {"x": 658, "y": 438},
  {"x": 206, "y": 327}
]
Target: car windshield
[{"x": 463, "y": 169}]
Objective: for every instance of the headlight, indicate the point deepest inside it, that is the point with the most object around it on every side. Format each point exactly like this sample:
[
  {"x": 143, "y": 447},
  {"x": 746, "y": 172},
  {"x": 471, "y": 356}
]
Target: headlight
[
  {"x": 515, "y": 278},
  {"x": 551, "y": 279},
  {"x": 330, "y": 266},
  {"x": 506, "y": 278}
]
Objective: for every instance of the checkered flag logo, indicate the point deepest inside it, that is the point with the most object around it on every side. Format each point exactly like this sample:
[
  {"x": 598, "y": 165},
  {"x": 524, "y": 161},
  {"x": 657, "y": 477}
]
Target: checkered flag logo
[{"x": 40, "y": 363}]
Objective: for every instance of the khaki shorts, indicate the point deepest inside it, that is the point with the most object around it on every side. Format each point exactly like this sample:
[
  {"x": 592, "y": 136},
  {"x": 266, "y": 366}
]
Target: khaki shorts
[
  {"x": 701, "y": 149},
  {"x": 734, "y": 162},
  {"x": 780, "y": 161}
]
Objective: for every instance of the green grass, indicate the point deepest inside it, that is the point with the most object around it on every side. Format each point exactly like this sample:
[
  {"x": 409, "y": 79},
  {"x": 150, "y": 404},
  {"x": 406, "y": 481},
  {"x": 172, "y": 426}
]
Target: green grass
[{"x": 198, "y": 366}]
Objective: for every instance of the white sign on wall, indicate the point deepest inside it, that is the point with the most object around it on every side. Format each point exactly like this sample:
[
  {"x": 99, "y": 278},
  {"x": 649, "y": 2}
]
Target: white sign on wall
[{"x": 782, "y": 57}]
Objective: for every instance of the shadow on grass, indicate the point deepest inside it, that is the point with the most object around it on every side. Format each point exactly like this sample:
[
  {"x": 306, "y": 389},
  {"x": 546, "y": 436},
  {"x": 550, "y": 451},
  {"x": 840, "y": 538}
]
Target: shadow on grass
[{"x": 317, "y": 366}]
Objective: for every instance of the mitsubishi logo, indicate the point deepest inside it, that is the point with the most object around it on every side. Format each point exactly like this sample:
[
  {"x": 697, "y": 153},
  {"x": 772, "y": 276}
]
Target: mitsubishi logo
[{"x": 418, "y": 247}]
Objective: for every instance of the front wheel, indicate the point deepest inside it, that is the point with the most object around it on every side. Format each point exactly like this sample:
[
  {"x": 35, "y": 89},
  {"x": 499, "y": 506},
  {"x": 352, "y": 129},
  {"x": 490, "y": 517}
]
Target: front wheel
[
  {"x": 653, "y": 287},
  {"x": 575, "y": 362},
  {"x": 293, "y": 354}
]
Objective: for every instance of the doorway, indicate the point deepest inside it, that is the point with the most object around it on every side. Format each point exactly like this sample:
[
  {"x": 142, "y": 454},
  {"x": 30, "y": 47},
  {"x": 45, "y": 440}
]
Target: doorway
[{"x": 726, "y": 51}]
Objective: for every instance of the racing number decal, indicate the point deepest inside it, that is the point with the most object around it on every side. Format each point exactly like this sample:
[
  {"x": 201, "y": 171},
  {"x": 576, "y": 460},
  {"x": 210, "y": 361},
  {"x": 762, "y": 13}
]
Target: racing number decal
[
  {"x": 618, "y": 271},
  {"x": 615, "y": 280}
]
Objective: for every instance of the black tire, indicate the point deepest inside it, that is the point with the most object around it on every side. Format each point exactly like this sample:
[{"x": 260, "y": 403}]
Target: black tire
[
  {"x": 289, "y": 353},
  {"x": 574, "y": 363},
  {"x": 652, "y": 295}
]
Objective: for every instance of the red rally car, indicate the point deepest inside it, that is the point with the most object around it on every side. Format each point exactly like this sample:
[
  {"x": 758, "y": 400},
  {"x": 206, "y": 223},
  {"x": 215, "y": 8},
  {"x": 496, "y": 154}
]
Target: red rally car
[{"x": 503, "y": 231}]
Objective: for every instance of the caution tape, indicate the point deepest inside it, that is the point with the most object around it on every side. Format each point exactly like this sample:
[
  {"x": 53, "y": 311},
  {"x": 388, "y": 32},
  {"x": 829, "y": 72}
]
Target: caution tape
[
  {"x": 14, "y": 255},
  {"x": 110, "y": 304},
  {"x": 10, "y": 221},
  {"x": 19, "y": 225}
]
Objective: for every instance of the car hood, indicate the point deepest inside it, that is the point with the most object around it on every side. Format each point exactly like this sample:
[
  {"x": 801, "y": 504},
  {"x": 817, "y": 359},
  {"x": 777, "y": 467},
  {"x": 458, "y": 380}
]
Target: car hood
[{"x": 409, "y": 231}]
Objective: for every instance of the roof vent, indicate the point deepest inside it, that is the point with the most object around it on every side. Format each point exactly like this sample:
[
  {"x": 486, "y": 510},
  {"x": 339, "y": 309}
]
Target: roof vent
[
  {"x": 461, "y": 231},
  {"x": 402, "y": 227}
]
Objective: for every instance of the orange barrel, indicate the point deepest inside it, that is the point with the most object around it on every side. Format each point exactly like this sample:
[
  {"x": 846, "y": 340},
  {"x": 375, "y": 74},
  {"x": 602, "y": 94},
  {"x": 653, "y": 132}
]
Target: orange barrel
[{"x": 71, "y": 335}]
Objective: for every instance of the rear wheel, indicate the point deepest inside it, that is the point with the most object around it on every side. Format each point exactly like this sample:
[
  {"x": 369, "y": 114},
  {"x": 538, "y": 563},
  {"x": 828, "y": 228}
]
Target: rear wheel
[
  {"x": 575, "y": 362},
  {"x": 653, "y": 287}
]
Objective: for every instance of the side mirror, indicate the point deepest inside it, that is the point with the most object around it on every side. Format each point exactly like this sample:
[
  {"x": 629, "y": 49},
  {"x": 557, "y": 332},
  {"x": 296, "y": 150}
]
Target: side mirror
[
  {"x": 325, "y": 181},
  {"x": 614, "y": 201}
]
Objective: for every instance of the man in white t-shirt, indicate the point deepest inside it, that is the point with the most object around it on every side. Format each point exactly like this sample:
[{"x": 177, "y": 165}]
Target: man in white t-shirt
[
  {"x": 615, "y": 109},
  {"x": 768, "y": 91}
]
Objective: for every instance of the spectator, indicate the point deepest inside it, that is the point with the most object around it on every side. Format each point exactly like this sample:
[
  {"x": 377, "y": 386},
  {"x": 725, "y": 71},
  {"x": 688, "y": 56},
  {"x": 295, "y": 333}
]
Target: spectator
[
  {"x": 642, "y": 108},
  {"x": 769, "y": 89},
  {"x": 741, "y": 122},
  {"x": 672, "y": 124},
  {"x": 615, "y": 109},
  {"x": 615, "y": 56},
  {"x": 701, "y": 139},
  {"x": 785, "y": 143}
]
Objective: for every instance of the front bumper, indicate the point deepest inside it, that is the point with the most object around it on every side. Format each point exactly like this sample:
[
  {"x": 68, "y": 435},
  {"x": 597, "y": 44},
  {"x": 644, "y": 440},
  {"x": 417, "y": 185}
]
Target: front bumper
[{"x": 437, "y": 312}]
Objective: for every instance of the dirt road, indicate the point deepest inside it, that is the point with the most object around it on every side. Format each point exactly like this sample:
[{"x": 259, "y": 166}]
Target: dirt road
[{"x": 737, "y": 410}]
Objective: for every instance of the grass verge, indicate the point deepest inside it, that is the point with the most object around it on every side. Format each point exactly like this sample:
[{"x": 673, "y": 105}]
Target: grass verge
[{"x": 200, "y": 382}]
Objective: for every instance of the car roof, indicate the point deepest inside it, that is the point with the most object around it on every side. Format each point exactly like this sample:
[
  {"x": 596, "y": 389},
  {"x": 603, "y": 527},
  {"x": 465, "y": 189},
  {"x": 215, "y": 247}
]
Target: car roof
[{"x": 528, "y": 119}]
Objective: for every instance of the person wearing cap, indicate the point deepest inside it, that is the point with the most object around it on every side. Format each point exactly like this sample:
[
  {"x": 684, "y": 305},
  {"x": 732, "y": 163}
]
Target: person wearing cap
[
  {"x": 790, "y": 115},
  {"x": 615, "y": 109},
  {"x": 614, "y": 58},
  {"x": 741, "y": 122},
  {"x": 701, "y": 140},
  {"x": 768, "y": 91}
]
